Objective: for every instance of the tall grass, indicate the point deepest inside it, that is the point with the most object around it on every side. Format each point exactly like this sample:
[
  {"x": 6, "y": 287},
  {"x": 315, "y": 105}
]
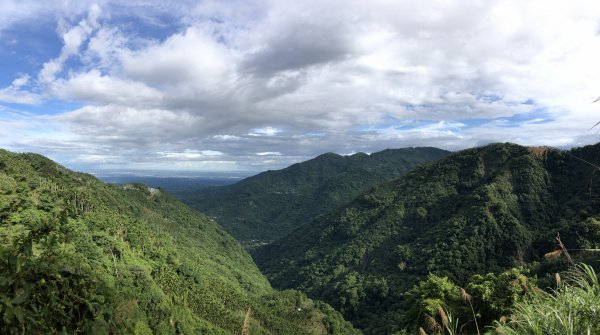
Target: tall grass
[
  {"x": 466, "y": 297},
  {"x": 246, "y": 326},
  {"x": 572, "y": 308}
]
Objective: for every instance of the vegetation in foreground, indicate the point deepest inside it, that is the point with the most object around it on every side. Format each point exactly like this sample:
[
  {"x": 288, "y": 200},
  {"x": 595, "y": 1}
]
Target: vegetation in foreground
[
  {"x": 572, "y": 308},
  {"x": 508, "y": 304}
]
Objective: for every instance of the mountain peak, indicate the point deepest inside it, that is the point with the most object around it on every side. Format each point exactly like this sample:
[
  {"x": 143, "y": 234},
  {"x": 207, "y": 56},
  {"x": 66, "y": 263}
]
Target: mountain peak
[{"x": 271, "y": 204}]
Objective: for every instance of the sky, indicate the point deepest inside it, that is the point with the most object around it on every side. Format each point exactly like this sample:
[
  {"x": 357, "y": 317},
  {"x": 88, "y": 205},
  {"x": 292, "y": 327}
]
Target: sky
[{"x": 255, "y": 85}]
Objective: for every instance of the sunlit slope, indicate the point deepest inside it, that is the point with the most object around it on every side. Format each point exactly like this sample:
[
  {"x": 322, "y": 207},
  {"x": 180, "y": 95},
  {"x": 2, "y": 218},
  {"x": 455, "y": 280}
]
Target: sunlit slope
[{"x": 82, "y": 256}]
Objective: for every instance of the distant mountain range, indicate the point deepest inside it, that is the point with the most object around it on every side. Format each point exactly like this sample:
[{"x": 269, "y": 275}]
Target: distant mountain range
[
  {"x": 174, "y": 184},
  {"x": 269, "y": 205}
]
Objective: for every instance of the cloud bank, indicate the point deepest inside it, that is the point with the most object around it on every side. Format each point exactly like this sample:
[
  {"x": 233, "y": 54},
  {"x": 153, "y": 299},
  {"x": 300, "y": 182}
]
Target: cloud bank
[{"x": 251, "y": 85}]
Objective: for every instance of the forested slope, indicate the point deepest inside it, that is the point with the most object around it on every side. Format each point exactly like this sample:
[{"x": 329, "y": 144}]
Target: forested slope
[
  {"x": 271, "y": 204},
  {"x": 478, "y": 211},
  {"x": 81, "y": 256}
]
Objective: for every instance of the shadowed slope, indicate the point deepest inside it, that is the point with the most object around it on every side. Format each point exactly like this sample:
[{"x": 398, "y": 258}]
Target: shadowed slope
[{"x": 476, "y": 211}]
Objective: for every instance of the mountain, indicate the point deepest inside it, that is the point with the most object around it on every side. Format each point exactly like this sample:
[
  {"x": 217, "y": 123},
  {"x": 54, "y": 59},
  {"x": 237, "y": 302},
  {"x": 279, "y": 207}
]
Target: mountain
[
  {"x": 81, "y": 256},
  {"x": 477, "y": 211},
  {"x": 269, "y": 205}
]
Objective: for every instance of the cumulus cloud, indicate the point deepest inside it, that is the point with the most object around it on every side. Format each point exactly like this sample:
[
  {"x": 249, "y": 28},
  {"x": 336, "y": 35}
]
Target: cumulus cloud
[
  {"x": 95, "y": 88},
  {"x": 122, "y": 125},
  {"x": 290, "y": 79},
  {"x": 17, "y": 93},
  {"x": 72, "y": 38}
]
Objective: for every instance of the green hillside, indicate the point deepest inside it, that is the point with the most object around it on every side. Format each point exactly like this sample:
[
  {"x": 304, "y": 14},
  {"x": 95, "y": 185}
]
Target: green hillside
[
  {"x": 478, "y": 211},
  {"x": 269, "y": 205},
  {"x": 81, "y": 256}
]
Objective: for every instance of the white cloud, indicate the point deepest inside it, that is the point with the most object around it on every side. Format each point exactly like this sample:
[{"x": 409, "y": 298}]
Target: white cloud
[
  {"x": 265, "y": 131},
  {"x": 192, "y": 57},
  {"x": 190, "y": 154},
  {"x": 127, "y": 126},
  {"x": 16, "y": 94},
  {"x": 97, "y": 159},
  {"x": 14, "y": 12},
  {"x": 73, "y": 38},
  {"x": 226, "y": 137},
  {"x": 20, "y": 81},
  {"x": 96, "y": 88},
  {"x": 106, "y": 45},
  {"x": 269, "y": 153},
  {"x": 11, "y": 95}
]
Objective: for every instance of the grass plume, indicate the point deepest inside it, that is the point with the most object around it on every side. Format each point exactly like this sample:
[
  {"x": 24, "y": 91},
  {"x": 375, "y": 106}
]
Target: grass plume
[
  {"x": 573, "y": 308},
  {"x": 552, "y": 255},
  {"x": 443, "y": 315},
  {"x": 432, "y": 324},
  {"x": 246, "y": 327},
  {"x": 466, "y": 298}
]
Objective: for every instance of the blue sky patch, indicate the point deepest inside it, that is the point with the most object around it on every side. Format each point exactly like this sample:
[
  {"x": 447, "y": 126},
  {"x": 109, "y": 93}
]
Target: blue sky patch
[
  {"x": 538, "y": 116},
  {"x": 50, "y": 107},
  {"x": 25, "y": 48}
]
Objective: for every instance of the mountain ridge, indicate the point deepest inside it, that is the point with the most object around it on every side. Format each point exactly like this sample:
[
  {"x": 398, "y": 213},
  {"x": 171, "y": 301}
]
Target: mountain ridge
[{"x": 267, "y": 206}]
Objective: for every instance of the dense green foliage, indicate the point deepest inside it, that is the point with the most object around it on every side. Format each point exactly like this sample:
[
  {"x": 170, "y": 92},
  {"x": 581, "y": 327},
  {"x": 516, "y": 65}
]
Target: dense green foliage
[
  {"x": 572, "y": 306},
  {"x": 482, "y": 210},
  {"x": 484, "y": 300},
  {"x": 81, "y": 256},
  {"x": 271, "y": 204}
]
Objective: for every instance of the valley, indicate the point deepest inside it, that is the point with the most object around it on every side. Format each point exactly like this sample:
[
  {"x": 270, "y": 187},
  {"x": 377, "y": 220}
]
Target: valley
[{"x": 374, "y": 244}]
